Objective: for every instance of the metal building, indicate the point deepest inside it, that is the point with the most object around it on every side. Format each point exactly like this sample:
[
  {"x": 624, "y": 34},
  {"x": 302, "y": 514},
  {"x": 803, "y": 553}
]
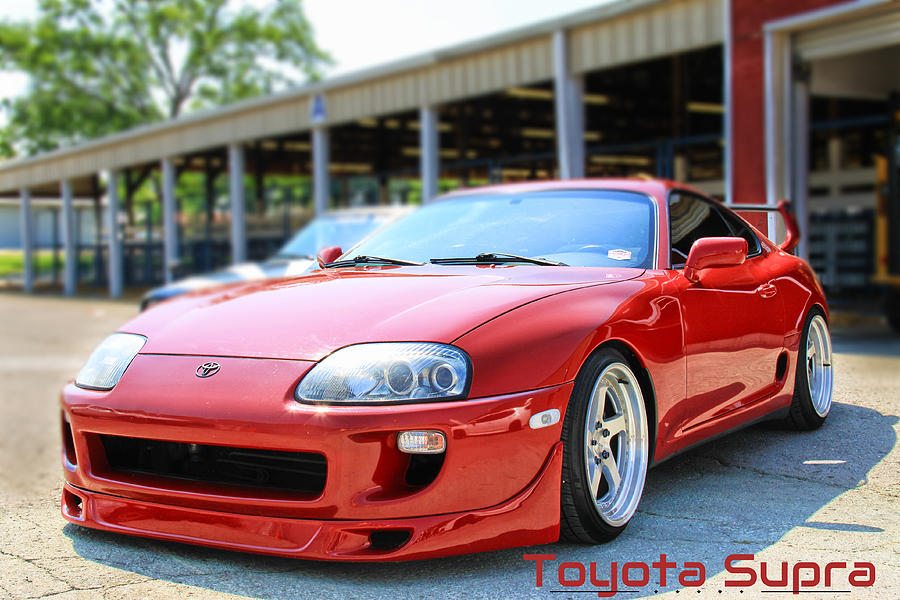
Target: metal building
[{"x": 712, "y": 92}]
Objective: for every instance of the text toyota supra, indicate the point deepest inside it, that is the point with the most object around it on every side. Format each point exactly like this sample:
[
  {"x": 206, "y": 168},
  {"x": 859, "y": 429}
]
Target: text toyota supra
[{"x": 498, "y": 368}]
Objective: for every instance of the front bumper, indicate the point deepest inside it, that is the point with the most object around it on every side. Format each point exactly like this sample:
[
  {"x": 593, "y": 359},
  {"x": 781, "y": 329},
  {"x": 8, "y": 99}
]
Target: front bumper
[
  {"x": 531, "y": 517},
  {"x": 498, "y": 485}
]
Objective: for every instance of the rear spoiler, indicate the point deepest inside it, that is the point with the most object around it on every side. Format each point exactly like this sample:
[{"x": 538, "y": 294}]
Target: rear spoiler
[{"x": 790, "y": 223}]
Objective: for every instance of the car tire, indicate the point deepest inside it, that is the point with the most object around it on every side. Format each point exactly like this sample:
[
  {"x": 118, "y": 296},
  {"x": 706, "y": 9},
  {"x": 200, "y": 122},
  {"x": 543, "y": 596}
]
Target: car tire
[
  {"x": 605, "y": 450},
  {"x": 814, "y": 380}
]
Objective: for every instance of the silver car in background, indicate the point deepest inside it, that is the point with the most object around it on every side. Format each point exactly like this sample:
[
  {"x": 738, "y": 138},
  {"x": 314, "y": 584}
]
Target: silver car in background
[{"x": 343, "y": 227}]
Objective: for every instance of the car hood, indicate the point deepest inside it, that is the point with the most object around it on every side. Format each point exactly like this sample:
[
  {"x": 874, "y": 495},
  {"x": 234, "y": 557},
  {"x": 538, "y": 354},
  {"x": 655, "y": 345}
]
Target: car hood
[{"x": 310, "y": 316}]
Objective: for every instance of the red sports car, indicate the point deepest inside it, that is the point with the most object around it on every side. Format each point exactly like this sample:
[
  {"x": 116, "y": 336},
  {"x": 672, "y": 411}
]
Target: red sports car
[{"x": 498, "y": 368}]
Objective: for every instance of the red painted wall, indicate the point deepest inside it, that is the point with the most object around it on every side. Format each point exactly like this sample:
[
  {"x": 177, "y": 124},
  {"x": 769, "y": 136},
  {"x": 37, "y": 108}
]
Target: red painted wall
[{"x": 748, "y": 89}]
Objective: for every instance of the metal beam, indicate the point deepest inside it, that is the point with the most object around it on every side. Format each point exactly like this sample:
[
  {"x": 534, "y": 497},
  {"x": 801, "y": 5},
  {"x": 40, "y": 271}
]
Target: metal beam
[
  {"x": 26, "y": 225},
  {"x": 238, "y": 207},
  {"x": 114, "y": 239},
  {"x": 568, "y": 90},
  {"x": 70, "y": 268},
  {"x": 429, "y": 152},
  {"x": 170, "y": 230},
  {"x": 321, "y": 180}
]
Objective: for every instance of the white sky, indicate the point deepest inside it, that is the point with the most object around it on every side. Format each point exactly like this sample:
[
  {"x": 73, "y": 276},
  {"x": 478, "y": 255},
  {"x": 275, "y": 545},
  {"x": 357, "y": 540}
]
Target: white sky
[{"x": 363, "y": 33}]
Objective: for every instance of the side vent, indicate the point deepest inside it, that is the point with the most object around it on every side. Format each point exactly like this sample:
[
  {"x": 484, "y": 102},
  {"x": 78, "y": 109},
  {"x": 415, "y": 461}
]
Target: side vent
[{"x": 781, "y": 366}]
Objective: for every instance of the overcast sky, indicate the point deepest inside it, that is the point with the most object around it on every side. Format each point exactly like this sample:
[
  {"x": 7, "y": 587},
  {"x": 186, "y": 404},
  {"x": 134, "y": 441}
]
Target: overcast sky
[{"x": 363, "y": 33}]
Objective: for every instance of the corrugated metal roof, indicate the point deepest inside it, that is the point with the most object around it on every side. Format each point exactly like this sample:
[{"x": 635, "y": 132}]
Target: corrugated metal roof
[{"x": 615, "y": 33}]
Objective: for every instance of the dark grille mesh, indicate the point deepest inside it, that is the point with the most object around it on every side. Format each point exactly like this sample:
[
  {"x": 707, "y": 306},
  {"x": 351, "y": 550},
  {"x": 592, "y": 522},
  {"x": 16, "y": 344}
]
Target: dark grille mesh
[{"x": 271, "y": 469}]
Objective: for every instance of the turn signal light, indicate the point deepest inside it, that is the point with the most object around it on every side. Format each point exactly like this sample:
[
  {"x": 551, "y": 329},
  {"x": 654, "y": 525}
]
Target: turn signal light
[{"x": 421, "y": 442}]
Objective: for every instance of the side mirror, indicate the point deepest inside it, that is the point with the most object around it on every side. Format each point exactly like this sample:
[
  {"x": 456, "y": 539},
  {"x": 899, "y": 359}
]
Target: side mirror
[
  {"x": 328, "y": 254},
  {"x": 714, "y": 252}
]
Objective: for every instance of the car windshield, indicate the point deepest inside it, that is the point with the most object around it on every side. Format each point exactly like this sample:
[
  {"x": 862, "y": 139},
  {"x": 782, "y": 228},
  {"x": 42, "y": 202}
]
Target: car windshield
[
  {"x": 331, "y": 230},
  {"x": 588, "y": 228}
]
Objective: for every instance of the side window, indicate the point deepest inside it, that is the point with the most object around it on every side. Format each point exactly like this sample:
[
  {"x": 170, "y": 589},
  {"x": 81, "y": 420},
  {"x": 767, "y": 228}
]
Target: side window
[
  {"x": 692, "y": 218},
  {"x": 740, "y": 229}
]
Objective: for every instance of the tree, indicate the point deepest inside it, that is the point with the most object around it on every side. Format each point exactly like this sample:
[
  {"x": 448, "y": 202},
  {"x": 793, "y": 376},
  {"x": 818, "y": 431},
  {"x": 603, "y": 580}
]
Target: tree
[{"x": 96, "y": 67}]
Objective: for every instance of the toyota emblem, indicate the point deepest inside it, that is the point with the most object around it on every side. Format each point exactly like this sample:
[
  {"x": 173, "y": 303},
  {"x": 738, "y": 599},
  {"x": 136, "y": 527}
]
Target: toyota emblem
[{"x": 208, "y": 369}]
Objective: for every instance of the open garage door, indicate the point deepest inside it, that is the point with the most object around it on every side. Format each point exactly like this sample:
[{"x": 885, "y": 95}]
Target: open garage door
[{"x": 832, "y": 85}]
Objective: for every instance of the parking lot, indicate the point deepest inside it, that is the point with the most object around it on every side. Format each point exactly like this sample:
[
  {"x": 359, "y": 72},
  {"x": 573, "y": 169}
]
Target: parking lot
[{"x": 827, "y": 496}]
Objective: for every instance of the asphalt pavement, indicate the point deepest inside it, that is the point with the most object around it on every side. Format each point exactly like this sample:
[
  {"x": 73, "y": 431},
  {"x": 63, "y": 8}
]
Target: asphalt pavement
[{"x": 832, "y": 495}]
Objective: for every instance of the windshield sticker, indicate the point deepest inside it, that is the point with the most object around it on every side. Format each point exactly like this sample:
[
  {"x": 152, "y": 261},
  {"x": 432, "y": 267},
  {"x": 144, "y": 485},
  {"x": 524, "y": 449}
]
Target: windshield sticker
[{"x": 619, "y": 254}]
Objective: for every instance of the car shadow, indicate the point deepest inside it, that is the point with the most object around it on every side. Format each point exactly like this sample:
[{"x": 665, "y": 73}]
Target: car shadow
[{"x": 739, "y": 494}]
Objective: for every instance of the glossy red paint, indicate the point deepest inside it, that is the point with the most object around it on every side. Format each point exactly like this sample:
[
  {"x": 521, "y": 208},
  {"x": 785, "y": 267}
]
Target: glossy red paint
[
  {"x": 705, "y": 352},
  {"x": 790, "y": 223},
  {"x": 712, "y": 252},
  {"x": 328, "y": 254}
]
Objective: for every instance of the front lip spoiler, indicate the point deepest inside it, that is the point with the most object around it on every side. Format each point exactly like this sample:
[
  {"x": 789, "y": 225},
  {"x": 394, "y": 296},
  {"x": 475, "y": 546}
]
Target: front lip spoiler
[{"x": 530, "y": 517}]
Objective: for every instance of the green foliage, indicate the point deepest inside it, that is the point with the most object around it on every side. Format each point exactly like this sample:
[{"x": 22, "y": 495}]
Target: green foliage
[
  {"x": 97, "y": 67},
  {"x": 12, "y": 262}
]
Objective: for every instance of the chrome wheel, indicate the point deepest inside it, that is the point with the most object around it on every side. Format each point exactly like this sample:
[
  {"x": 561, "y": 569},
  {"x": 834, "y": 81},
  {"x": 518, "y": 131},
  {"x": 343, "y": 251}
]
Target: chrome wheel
[
  {"x": 616, "y": 439},
  {"x": 819, "y": 376}
]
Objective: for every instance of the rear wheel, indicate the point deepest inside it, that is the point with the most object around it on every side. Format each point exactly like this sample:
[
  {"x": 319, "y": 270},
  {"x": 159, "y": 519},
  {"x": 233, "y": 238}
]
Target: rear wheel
[
  {"x": 605, "y": 452},
  {"x": 814, "y": 382}
]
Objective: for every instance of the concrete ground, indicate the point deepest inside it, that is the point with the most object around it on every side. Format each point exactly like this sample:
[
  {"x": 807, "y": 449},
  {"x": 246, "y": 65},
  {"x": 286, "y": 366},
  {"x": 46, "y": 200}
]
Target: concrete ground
[{"x": 828, "y": 496}]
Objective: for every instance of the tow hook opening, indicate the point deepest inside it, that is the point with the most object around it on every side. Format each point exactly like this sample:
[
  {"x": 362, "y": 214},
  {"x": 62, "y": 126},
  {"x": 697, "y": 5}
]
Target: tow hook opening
[
  {"x": 389, "y": 539},
  {"x": 72, "y": 504}
]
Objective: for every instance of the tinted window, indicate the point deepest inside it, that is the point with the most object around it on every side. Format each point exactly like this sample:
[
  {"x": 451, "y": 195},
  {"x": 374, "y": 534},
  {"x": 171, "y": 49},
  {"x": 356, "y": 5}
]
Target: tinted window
[
  {"x": 588, "y": 228},
  {"x": 692, "y": 218},
  {"x": 741, "y": 229}
]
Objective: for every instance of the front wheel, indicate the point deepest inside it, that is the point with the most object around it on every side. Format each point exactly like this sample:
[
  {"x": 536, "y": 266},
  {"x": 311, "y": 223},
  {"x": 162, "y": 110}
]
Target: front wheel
[
  {"x": 814, "y": 382},
  {"x": 605, "y": 450}
]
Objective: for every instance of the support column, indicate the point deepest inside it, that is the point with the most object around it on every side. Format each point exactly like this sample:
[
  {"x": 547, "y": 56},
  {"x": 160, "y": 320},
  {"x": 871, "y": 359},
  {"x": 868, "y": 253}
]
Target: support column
[
  {"x": 726, "y": 95},
  {"x": 800, "y": 166},
  {"x": 170, "y": 230},
  {"x": 238, "y": 207},
  {"x": 777, "y": 77},
  {"x": 70, "y": 268},
  {"x": 321, "y": 179},
  {"x": 114, "y": 239},
  {"x": 429, "y": 152},
  {"x": 568, "y": 90},
  {"x": 26, "y": 225}
]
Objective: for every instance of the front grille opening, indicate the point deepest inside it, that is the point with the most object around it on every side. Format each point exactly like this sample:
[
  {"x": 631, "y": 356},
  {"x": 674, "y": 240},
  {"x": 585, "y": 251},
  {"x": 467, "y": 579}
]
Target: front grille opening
[
  {"x": 68, "y": 443},
  {"x": 423, "y": 469},
  {"x": 388, "y": 539},
  {"x": 303, "y": 472}
]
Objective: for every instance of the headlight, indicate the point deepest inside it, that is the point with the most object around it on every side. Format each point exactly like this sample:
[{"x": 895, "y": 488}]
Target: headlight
[
  {"x": 387, "y": 372},
  {"x": 108, "y": 361}
]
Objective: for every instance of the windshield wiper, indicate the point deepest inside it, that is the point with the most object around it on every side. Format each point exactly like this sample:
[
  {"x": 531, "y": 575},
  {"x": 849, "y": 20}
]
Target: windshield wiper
[
  {"x": 362, "y": 259},
  {"x": 496, "y": 258}
]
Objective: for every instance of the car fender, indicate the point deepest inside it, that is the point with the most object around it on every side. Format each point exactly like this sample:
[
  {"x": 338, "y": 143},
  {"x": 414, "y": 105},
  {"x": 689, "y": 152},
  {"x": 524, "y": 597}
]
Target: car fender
[
  {"x": 801, "y": 291},
  {"x": 546, "y": 342}
]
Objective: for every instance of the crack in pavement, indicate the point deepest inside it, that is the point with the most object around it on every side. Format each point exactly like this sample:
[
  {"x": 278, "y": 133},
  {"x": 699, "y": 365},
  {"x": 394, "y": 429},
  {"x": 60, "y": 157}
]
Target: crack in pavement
[{"x": 729, "y": 465}]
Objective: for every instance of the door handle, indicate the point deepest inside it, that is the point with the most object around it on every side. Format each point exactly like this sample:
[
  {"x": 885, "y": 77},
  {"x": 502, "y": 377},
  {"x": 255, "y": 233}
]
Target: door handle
[{"x": 767, "y": 290}]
